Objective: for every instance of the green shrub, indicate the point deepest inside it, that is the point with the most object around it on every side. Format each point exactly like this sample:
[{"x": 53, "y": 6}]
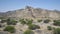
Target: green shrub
[
  {"x": 10, "y": 29},
  {"x": 26, "y": 21},
  {"x": 29, "y": 22},
  {"x": 56, "y": 31},
  {"x": 28, "y": 32},
  {"x": 11, "y": 22},
  {"x": 22, "y": 21},
  {"x": 33, "y": 27},
  {"x": 46, "y": 21},
  {"x": 39, "y": 20},
  {"x": 49, "y": 27},
  {"x": 56, "y": 22}
]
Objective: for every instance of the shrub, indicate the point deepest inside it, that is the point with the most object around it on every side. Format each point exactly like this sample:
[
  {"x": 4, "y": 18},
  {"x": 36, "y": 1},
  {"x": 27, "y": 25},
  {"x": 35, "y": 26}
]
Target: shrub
[
  {"x": 39, "y": 20},
  {"x": 2, "y": 21},
  {"x": 10, "y": 29},
  {"x": 26, "y": 21},
  {"x": 11, "y": 22},
  {"x": 29, "y": 22},
  {"x": 49, "y": 27},
  {"x": 56, "y": 22},
  {"x": 56, "y": 31},
  {"x": 28, "y": 32},
  {"x": 33, "y": 27},
  {"x": 22, "y": 21},
  {"x": 46, "y": 21}
]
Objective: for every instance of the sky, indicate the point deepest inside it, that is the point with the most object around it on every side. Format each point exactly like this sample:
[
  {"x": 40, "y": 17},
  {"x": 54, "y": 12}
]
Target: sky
[{"x": 8, "y": 5}]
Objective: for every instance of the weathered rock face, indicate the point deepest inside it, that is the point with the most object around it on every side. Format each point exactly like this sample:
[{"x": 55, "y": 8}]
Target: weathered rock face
[{"x": 30, "y": 12}]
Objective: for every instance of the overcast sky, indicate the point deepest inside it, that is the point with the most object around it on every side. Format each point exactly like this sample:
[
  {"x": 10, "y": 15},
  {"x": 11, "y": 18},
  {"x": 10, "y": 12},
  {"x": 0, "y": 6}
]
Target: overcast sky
[{"x": 7, "y": 5}]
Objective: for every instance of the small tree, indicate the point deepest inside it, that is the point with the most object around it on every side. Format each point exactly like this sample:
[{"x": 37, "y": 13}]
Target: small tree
[
  {"x": 10, "y": 29},
  {"x": 28, "y": 32}
]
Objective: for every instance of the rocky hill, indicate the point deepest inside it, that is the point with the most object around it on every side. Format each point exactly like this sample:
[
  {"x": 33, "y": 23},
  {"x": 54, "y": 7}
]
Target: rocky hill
[{"x": 30, "y": 12}]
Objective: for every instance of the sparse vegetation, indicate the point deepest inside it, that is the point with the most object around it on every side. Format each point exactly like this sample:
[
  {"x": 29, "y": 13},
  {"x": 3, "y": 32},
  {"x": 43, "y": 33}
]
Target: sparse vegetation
[
  {"x": 49, "y": 27},
  {"x": 26, "y": 21},
  {"x": 28, "y": 32},
  {"x": 56, "y": 22},
  {"x": 33, "y": 27},
  {"x": 22, "y": 21},
  {"x": 46, "y": 21},
  {"x": 56, "y": 31},
  {"x": 2, "y": 20},
  {"x": 11, "y": 21},
  {"x": 29, "y": 22},
  {"x": 39, "y": 20},
  {"x": 10, "y": 29}
]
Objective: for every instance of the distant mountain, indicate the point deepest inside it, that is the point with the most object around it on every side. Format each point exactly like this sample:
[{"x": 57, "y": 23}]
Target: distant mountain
[{"x": 30, "y": 12}]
